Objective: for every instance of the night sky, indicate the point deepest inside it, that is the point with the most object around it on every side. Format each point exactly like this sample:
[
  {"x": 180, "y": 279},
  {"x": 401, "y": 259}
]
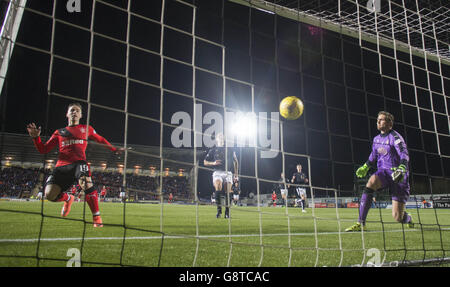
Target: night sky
[{"x": 338, "y": 81}]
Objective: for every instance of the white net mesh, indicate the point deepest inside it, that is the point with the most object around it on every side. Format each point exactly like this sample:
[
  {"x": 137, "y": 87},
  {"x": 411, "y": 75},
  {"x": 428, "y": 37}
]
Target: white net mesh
[
  {"x": 418, "y": 25},
  {"x": 256, "y": 234}
]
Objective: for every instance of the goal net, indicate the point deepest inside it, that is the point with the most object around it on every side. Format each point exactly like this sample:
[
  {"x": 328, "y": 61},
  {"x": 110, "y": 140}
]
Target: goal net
[{"x": 162, "y": 79}]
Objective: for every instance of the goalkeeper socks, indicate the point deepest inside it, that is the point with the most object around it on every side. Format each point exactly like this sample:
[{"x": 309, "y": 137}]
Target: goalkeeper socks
[
  {"x": 92, "y": 200},
  {"x": 365, "y": 204},
  {"x": 406, "y": 217}
]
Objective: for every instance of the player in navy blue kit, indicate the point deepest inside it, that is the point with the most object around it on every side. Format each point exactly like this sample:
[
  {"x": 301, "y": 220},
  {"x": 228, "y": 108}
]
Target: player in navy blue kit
[
  {"x": 225, "y": 163},
  {"x": 283, "y": 187},
  {"x": 300, "y": 177},
  {"x": 236, "y": 192}
]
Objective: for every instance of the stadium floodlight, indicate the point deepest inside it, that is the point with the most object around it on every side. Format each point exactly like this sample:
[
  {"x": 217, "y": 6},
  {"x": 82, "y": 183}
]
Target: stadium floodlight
[{"x": 243, "y": 127}]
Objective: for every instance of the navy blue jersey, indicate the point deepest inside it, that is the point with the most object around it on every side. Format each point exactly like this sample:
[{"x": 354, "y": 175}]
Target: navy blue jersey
[
  {"x": 300, "y": 177},
  {"x": 218, "y": 153},
  {"x": 281, "y": 185},
  {"x": 236, "y": 189}
]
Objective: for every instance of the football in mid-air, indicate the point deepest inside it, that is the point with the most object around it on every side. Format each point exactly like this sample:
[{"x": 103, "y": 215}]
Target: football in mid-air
[{"x": 291, "y": 108}]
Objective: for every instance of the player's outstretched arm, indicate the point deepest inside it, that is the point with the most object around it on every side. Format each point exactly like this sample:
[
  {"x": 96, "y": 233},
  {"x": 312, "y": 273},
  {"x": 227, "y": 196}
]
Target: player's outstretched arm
[
  {"x": 236, "y": 166},
  {"x": 402, "y": 151},
  {"x": 33, "y": 130},
  {"x": 209, "y": 159},
  {"x": 35, "y": 133},
  {"x": 362, "y": 171},
  {"x": 212, "y": 163},
  {"x": 373, "y": 158},
  {"x": 101, "y": 140}
]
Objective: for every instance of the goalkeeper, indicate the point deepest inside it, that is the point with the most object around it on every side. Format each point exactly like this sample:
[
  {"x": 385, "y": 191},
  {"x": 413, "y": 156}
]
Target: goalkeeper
[{"x": 390, "y": 157}]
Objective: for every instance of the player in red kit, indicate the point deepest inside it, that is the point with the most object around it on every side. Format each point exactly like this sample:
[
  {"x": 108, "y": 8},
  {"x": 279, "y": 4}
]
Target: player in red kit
[
  {"x": 71, "y": 165},
  {"x": 103, "y": 193},
  {"x": 75, "y": 189},
  {"x": 274, "y": 199}
]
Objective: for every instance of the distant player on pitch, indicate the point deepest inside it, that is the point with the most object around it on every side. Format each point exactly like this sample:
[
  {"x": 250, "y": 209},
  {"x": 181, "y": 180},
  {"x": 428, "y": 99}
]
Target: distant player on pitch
[
  {"x": 300, "y": 177},
  {"x": 103, "y": 193},
  {"x": 390, "y": 157},
  {"x": 283, "y": 186},
  {"x": 39, "y": 195},
  {"x": 71, "y": 165},
  {"x": 236, "y": 192},
  {"x": 274, "y": 198}
]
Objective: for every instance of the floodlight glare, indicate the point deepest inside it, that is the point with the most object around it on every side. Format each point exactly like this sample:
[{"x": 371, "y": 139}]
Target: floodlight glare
[{"x": 244, "y": 127}]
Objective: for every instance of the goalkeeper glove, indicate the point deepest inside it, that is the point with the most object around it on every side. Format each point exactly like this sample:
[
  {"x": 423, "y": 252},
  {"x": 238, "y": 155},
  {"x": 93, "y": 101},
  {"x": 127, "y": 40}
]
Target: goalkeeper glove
[
  {"x": 399, "y": 173},
  {"x": 362, "y": 171}
]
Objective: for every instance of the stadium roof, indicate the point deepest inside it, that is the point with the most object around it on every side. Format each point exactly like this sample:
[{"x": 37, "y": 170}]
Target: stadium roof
[
  {"x": 425, "y": 23},
  {"x": 20, "y": 148}
]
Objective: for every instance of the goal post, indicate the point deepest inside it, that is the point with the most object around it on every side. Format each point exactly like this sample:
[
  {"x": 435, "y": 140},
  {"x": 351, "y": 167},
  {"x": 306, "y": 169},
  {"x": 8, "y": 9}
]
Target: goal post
[{"x": 10, "y": 27}]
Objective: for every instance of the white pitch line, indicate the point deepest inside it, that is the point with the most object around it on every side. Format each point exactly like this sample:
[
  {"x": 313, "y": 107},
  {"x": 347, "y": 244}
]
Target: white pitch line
[{"x": 28, "y": 240}]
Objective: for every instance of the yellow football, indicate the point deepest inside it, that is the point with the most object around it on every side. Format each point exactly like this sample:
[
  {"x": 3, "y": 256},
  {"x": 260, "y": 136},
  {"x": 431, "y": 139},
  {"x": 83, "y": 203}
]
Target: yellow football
[{"x": 291, "y": 108}]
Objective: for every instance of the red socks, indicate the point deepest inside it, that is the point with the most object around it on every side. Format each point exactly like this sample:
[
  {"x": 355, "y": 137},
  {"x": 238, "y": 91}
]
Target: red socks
[
  {"x": 92, "y": 201},
  {"x": 62, "y": 197}
]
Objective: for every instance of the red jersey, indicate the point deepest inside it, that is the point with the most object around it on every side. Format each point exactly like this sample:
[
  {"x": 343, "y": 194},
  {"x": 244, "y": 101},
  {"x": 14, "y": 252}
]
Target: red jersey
[
  {"x": 103, "y": 192},
  {"x": 72, "y": 143},
  {"x": 274, "y": 196}
]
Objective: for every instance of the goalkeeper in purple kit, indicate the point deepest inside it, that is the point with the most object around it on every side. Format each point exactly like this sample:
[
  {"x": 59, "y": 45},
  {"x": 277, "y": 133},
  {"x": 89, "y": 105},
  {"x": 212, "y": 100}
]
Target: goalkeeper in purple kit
[{"x": 390, "y": 157}]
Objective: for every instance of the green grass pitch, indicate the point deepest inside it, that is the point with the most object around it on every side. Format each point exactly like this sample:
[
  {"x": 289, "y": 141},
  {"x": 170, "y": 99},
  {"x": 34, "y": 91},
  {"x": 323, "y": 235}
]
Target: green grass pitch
[{"x": 166, "y": 235}]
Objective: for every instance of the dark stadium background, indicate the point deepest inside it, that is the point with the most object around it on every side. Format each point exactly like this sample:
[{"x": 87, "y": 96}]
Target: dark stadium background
[{"x": 338, "y": 81}]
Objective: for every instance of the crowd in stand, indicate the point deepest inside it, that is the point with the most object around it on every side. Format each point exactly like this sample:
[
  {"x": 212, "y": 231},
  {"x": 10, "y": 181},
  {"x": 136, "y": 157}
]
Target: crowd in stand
[
  {"x": 17, "y": 181},
  {"x": 143, "y": 187}
]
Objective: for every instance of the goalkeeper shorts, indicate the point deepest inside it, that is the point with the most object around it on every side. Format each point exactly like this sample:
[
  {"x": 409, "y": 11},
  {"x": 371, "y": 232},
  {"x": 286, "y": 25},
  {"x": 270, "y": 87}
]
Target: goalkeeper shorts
[{"x": 399, "y": 191}]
